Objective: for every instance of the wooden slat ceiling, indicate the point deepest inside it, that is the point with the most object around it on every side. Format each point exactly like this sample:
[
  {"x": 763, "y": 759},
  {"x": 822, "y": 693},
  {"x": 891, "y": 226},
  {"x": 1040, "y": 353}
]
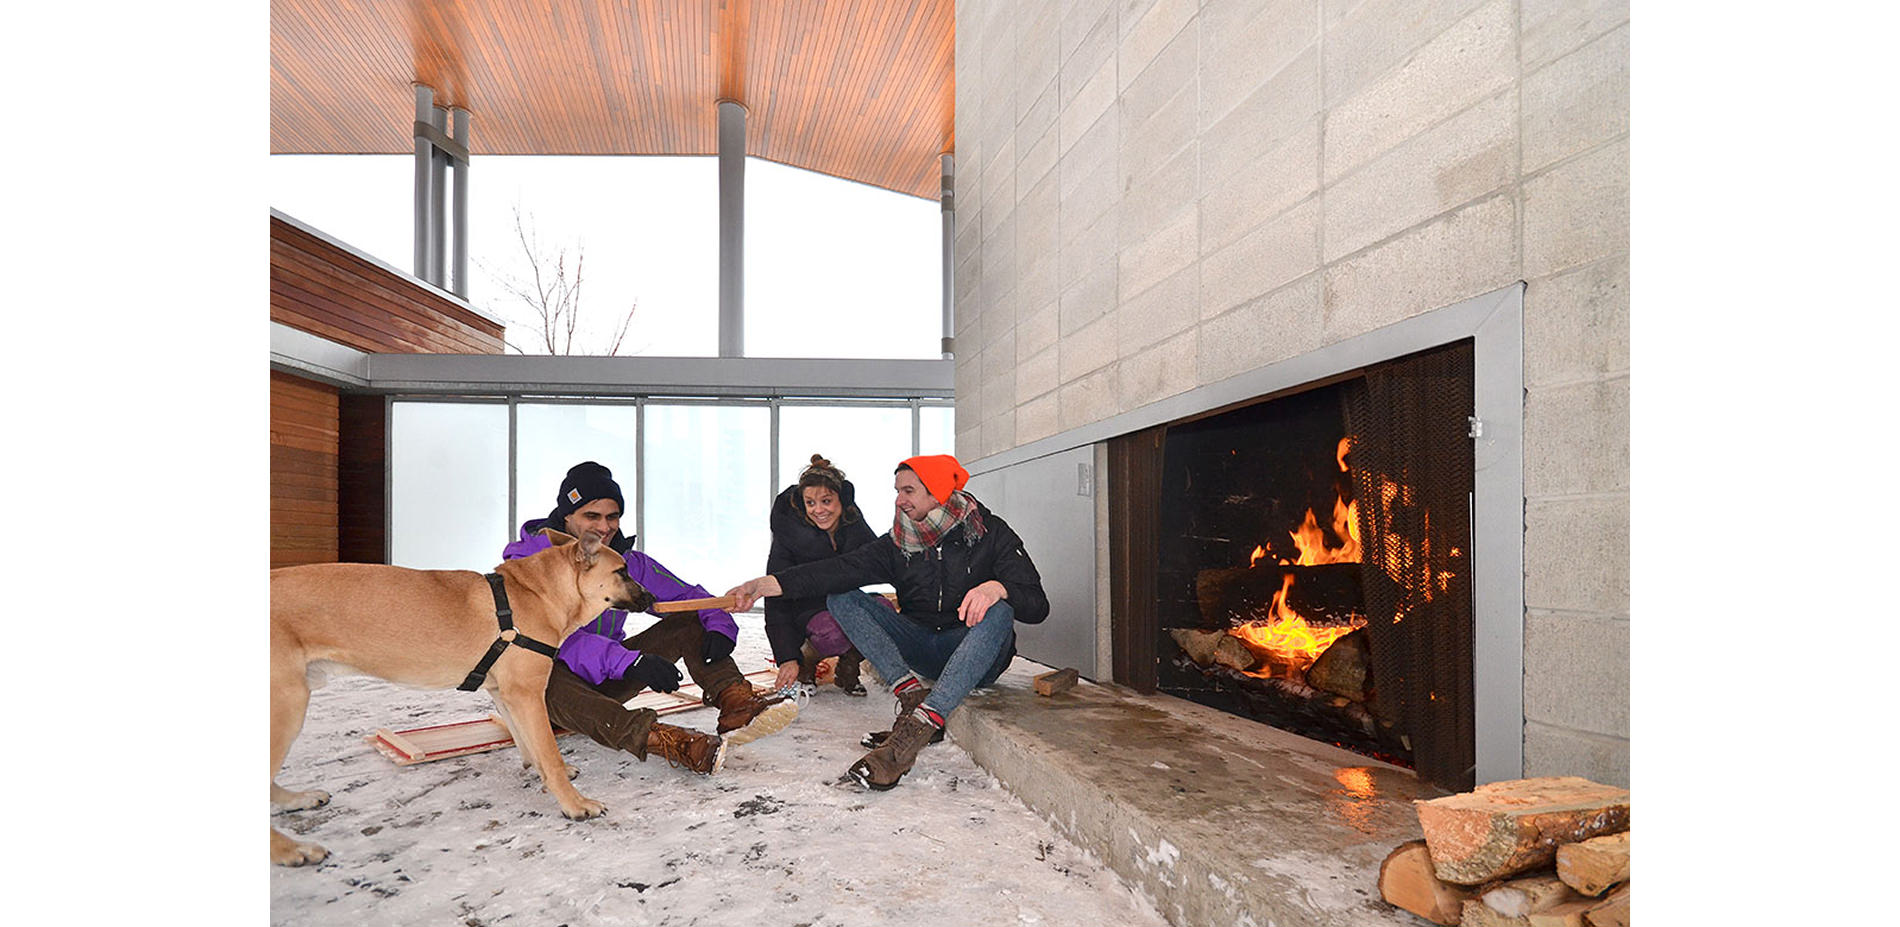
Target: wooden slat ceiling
[{"x": 859, "y": 89}]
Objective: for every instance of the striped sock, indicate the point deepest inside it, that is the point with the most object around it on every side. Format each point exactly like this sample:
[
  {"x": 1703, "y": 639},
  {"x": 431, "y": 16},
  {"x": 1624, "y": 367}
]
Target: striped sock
[
  {"x": 936, "y": 720},
  {"x": 906, "y": 684}
]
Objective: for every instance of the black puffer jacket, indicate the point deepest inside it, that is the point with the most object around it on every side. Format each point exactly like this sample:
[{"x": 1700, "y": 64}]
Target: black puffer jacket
[
  {"x": 931, "y": 585},
  {"x": 795, "y": 541}
]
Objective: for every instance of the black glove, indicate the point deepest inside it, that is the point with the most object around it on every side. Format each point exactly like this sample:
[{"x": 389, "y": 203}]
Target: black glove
[
  {"x": 717, "y": 647},
  {"x": 655, "y": 673}
]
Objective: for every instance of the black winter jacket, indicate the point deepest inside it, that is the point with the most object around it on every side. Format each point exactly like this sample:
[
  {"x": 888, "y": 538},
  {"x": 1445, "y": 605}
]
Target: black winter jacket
[
  {"x": 931, "y": 585},
  {"x": 796, "y": 541}
]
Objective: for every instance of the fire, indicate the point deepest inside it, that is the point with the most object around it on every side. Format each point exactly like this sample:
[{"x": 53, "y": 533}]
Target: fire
[{"x": 1280, "y": 630}]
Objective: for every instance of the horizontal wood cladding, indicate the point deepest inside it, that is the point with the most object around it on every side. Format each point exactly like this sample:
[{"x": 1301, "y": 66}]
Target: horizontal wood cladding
[
  {"x": 859, "y": 89},
  {"x": 320, "y": 288},
  {"x": 303, "y": 471}
]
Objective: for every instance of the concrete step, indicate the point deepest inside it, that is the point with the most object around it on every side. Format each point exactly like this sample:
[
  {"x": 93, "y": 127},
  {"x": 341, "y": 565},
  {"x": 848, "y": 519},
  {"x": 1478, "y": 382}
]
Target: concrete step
[{"x": 1221, "y": 820}]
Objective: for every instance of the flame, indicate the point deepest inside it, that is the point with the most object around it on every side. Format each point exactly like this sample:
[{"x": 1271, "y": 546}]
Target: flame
[{"x": 1280, "y": 630}]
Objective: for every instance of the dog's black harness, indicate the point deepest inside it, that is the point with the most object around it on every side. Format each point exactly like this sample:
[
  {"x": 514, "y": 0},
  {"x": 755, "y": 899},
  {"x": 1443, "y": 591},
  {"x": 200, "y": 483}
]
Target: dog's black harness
[{"x": 506, "y": 617}]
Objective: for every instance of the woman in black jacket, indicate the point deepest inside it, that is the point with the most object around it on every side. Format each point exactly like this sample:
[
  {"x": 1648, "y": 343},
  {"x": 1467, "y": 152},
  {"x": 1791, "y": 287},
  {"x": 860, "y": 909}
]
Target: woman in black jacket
[{"x": 815, "y": 519}]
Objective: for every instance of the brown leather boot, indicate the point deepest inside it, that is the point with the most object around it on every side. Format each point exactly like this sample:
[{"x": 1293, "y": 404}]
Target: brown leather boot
[
  {"x": 745, "y": 716},
  {"x": 907, "y": 700},
  {"x": 847, "y": 673},
  {"x": 808, "y": 665},
  {"x": 883, "y": 767},
  {"x": 701, "y": 753}
]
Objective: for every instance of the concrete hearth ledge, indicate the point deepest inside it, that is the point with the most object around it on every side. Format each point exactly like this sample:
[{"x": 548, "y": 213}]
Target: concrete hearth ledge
[{"x": 1221, "y": 820}]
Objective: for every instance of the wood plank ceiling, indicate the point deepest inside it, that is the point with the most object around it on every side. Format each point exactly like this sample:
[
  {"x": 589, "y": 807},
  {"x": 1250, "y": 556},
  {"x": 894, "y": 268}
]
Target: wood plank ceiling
[{"x": 859, "y": 89}]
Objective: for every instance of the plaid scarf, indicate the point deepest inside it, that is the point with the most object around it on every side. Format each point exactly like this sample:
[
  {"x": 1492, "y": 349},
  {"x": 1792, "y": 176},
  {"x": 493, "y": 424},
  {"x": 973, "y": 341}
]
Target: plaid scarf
[{"x": 914, "y": 537}]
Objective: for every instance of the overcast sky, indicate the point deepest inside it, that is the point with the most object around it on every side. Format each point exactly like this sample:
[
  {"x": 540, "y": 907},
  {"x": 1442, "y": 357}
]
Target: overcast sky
[{"x": 833, "y": 268}]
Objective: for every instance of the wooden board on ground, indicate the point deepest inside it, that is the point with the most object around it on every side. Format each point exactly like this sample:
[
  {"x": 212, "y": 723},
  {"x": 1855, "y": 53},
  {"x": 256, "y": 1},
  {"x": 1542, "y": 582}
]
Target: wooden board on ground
[
  {"x": 1056, "y": 681},
  {"x": 442, "y": 741}
]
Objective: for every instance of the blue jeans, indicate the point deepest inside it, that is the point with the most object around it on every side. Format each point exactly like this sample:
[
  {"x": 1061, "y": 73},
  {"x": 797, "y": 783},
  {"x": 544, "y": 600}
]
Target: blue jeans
[{"x": 958, "y": 658}]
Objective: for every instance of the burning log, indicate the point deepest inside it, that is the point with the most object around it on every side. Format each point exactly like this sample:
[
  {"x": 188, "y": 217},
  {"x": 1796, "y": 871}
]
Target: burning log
[
  {"x": 1505, "y": 828},
  {"x": 1327, "y": 595},
  {"x": 1593, "y": 866},
  {"x": 1344, "y": 668},
  {"x": 1406, "y": 881},
  {"x": 1214, "y": 648}
]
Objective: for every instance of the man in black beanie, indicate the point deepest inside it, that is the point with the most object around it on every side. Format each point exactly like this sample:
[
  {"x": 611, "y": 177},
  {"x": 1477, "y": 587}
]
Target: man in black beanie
[{"x": 597, "y": 671}]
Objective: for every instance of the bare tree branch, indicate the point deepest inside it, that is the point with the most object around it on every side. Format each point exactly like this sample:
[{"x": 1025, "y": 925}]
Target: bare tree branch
[{"x": 552, "y": 297}]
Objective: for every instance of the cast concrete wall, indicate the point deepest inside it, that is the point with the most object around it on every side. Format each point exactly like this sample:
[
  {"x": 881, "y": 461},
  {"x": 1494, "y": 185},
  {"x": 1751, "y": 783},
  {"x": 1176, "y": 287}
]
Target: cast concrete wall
[{"x": 1155, "y": 195}]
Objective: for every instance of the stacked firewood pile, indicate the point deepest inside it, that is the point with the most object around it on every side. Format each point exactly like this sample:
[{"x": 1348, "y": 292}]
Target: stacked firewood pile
[{"x": 1546, "y": 852}]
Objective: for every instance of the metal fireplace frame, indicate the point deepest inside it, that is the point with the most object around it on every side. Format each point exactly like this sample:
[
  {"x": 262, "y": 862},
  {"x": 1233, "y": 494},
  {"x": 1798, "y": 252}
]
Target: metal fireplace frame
[{"x": 1495, "y": 323}]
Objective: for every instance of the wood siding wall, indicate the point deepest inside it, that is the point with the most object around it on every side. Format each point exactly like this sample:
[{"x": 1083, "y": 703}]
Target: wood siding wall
[
  {"x": 328, "y": 448},
  {"x": 327, "y": 291},
  {"x": 303, "y": 461}
]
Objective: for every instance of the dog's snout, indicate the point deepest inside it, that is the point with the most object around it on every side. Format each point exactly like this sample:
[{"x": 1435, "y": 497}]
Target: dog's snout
[{"x": 636, "y": 597}]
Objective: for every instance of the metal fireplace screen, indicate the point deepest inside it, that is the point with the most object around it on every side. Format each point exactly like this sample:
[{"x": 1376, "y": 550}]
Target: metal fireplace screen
[{"x": 1412, "y": 467}]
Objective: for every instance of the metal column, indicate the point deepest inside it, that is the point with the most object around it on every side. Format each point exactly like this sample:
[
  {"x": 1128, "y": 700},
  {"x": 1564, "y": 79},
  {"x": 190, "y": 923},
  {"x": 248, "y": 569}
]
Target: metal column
[
  {"x": 731, "y": 229},
  {"x": 425, "y": 213},
  {"x": 459, "y": 261},
  {"x": 948, "y": 196}
]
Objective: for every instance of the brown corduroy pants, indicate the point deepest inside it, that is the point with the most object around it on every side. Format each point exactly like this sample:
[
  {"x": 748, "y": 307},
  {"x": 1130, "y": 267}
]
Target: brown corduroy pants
[{"x": 600, "y": 712}]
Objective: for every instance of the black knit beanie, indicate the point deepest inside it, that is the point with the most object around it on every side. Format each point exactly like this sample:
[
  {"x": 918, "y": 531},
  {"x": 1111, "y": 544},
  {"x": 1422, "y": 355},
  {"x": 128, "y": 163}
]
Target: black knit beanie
[{"x": 586, "y": 482}]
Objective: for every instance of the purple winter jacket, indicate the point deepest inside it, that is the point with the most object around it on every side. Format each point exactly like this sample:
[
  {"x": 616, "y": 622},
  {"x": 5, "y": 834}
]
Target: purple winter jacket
[{"x": 594, "y": 652}]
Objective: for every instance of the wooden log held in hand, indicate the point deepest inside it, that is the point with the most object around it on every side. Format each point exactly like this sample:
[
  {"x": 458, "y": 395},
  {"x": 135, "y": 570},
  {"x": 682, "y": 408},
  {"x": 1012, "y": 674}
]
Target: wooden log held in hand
[{"x": 1505, "y": 828}]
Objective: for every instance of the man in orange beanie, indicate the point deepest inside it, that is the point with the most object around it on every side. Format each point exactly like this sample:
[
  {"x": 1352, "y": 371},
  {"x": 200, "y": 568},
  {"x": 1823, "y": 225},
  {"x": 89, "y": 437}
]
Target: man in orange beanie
[{"x": 963, "y": 579}]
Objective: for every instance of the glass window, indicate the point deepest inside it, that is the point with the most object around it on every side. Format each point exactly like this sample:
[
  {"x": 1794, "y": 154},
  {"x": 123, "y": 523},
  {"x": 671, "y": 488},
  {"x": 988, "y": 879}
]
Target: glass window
[
  {"x": 448, "y": 502},
  {"x": 550, "y": 438},
  {"x": 707, "y": 492},
  {"x": 839, "y": 269},
  {"x": 937, "y": 430},
  {"x": 866, "y": 443}
]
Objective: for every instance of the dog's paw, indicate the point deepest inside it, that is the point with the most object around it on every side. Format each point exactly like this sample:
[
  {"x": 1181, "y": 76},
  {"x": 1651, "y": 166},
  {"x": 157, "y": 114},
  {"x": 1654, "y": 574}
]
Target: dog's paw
[
  {"x": 287, "y": 852},
  {"x": 584, "y": 808},
  {"x": 282, "y": 800}
]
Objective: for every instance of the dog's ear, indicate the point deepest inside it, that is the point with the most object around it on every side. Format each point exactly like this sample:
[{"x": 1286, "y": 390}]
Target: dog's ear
[
  {"x": 589, "y": 550},
  {"x": 560, "y": 538}
]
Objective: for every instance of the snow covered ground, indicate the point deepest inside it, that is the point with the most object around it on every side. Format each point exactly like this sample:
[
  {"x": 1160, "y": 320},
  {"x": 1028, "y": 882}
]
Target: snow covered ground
[{"x": 773, "y": 839}]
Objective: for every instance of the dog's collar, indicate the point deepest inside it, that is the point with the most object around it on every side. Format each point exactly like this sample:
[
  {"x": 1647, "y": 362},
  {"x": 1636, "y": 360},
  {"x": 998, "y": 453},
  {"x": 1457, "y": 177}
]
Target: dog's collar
[{"x": 506, "y": 618}]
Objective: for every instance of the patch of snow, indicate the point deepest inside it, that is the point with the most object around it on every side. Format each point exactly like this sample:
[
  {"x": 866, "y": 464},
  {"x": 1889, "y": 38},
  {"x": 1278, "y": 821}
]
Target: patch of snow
[{"x": 772, "y": 839}]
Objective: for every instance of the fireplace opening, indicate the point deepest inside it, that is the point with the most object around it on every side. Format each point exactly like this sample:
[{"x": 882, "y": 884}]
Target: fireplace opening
[{"x": 1311, "y": 563}]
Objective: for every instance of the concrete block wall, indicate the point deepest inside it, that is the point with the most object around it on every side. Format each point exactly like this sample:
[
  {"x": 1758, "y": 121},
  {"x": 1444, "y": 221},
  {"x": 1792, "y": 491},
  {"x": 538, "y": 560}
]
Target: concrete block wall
[{"x": 1155, "y": 195}]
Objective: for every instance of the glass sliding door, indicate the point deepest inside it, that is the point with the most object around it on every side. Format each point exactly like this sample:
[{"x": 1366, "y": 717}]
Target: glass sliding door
[
  {"x": 551, "y": 437},
  {"x": 708, "y": 484}
]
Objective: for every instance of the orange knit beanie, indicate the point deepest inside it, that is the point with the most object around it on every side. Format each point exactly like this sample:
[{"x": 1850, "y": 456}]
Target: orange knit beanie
[{"x": 940, "y": 473}]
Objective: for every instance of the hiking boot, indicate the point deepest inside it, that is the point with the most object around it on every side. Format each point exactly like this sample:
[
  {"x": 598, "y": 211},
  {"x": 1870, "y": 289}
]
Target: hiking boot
[
  {"x": 847, "y": 672},
  {"x": 907, "y": 701},
  {"x": 883, "y": 767},
  {"x": 808, "y": 665},
  {"x": 701, "y": 753},
  {"x": 745, "y": 716}
]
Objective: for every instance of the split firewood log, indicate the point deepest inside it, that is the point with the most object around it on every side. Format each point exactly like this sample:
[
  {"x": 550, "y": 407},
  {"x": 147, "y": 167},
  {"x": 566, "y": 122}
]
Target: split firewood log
[
  {"x": 1568, "y": 914},
  {"x": 1343, "y": 667},
  {"x": 1210, "y": 648},
  {"x": 1504, "y": 828},
  {"x": 1475, "y": 913},
  {"x": 1406, "y": 882},
  {"x": 1613, "y": 911},
  {"x": 1528, "y": 895},
  {"x": 1595, "y": 865}
]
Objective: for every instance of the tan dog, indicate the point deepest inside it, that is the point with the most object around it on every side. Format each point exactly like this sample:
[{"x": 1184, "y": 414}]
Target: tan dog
[{"x": 429, "y": 629}]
